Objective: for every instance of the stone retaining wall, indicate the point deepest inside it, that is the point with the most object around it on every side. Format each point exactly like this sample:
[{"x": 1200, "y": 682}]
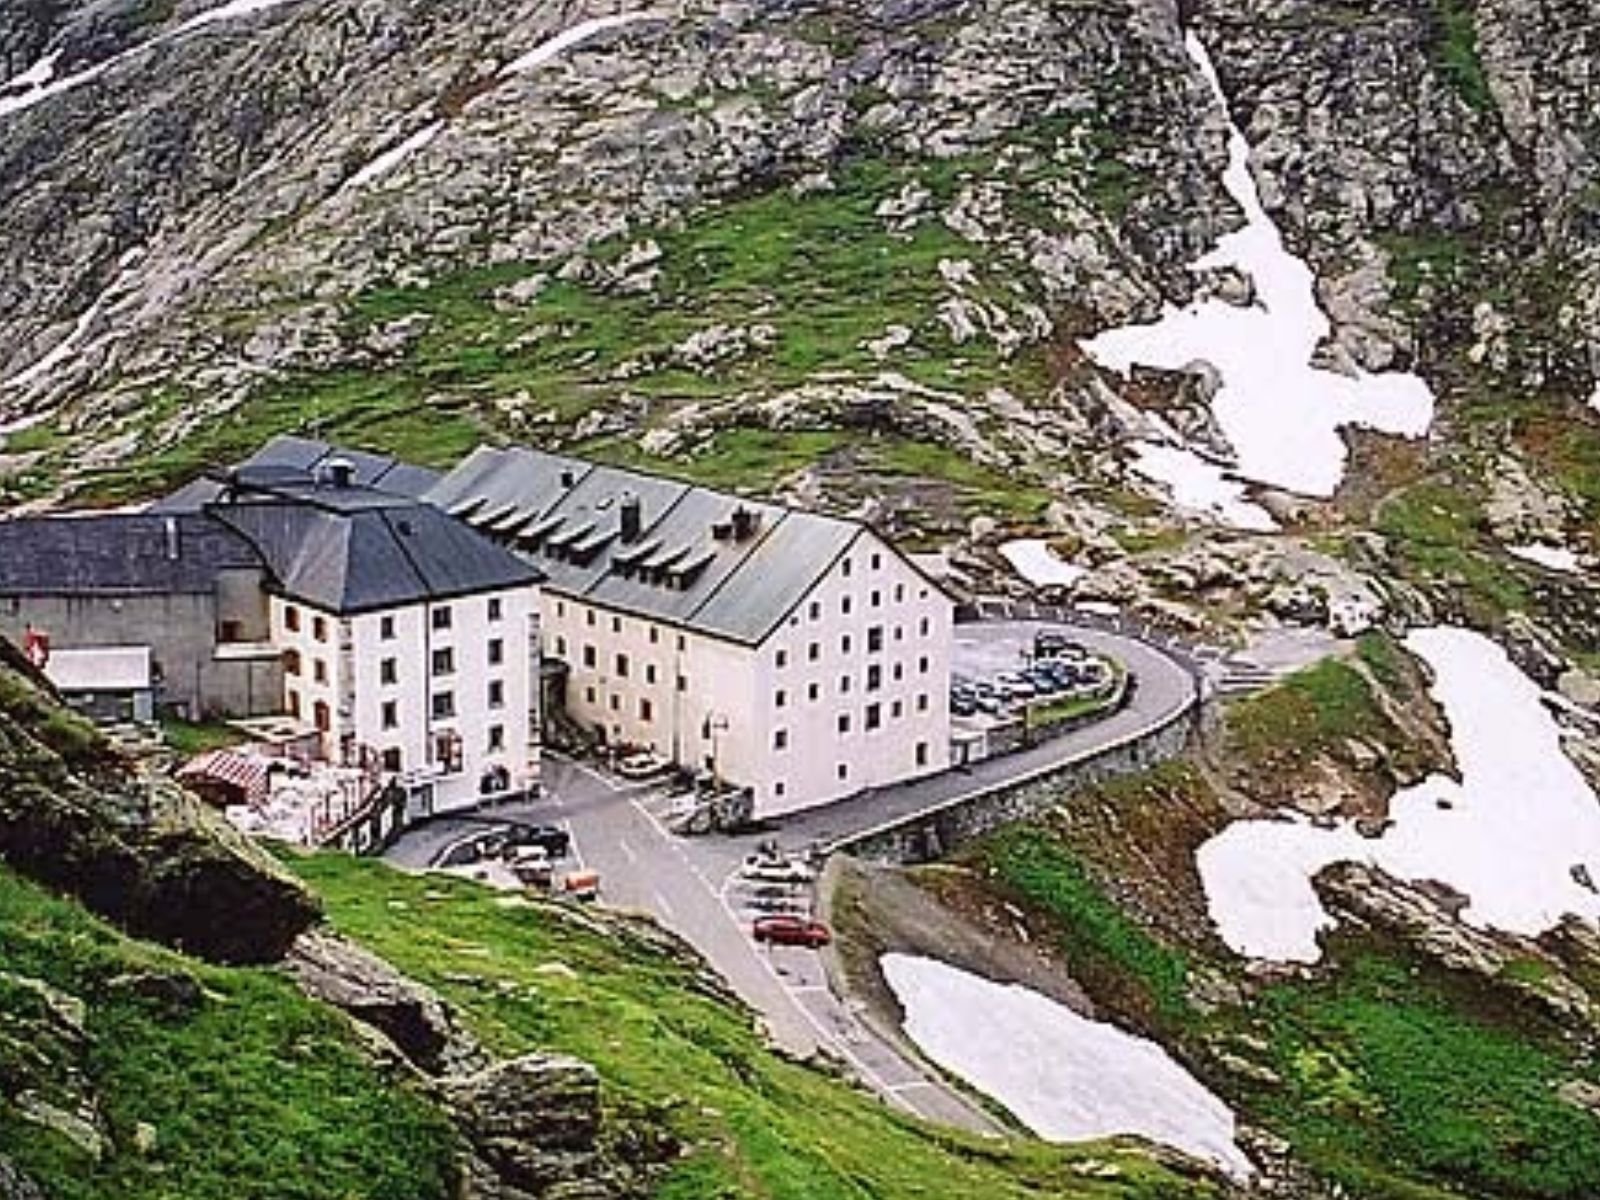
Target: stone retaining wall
[{"x": 933, "y": 834}]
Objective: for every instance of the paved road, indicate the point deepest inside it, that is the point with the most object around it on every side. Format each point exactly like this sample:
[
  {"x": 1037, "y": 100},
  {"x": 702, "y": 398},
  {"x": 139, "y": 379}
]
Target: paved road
[{"x": 692, "y": 886}]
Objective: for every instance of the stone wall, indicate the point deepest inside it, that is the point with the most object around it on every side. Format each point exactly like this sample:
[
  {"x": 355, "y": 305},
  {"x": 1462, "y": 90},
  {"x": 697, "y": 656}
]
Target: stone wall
[{"x": 931, "y": 835}]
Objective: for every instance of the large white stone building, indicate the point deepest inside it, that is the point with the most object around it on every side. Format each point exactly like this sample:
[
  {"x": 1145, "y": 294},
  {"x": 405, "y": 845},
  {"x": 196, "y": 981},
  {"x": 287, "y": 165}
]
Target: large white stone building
[
  {"x": 798, "y": 655},
  {"x": 409, "y": 643}
]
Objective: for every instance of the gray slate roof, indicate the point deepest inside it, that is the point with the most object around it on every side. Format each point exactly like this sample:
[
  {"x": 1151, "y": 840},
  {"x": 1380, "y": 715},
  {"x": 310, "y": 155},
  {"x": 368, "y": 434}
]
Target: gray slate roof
[
  {"x": 290, "y": 459},
  {"x": 351, "y": 550},
  {"x": 684, "y": 567},
  {"x": 118, "y": 554}
]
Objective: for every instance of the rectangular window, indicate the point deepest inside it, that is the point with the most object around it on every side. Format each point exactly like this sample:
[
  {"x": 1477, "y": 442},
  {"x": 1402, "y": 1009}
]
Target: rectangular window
[
  {"x": 844, "y": 722},
  {"x": 844, "y": 685},
  {"x": 899, "y": 593},
  {"x": 782, "y": 659},
  {"x": 496, "y": 608},
  {"x": 844, "y": 568},
  {"x": 814, "y": 651},
  {"x": 561, "y": 646},
  {"x": 844, "y": 644},
  {"x": 877, "y": 598},
  {"x": 875, "y": 639},
  {"x": 877, "y": 561},
  {"x": 813, "y": 691},
  {"x": 922, "y": 701},
  {"x": 923, "y": 626},
  {"x": 497, "y": 651},
  {"x": 588, "y": 695},
  {"x": 683, "y": 683},
  {"x": 649, "y": 672},
  {"x": 844, "y": 605},
  {"x": 844, "y": 770},
  {"x": 874, "y": 717},
  {"x": 622, "y": 666},
  {"x": 779, "y": 698},
  {"x": 922, "y": 754},
  {"x": 291, "y": 662},
  {"x": 497, "y": 738},
  {"x": 391, "y": 714},
  {"x": 561, "y": 608},
  {"x": 497, "y": 693},
  {"x": 655, "y": 635},
  {"x": 616, "y": 702},
  {"x": 392, "y": 760},
  {"x": 922, "y": 665},
  {"x": 780, "y": 739},
  {"x": 816, "y": 610},
  {"x": 647, "y": 710},
  {"x": 389, "y": 670},
  {"x": 294, "y": 704},
  {"x": 444, "y": 705},
  {"x": 590, "y": 658},
  {"x": 319, "y": 670},
  {"x": 874, "y": 677},
  {"x": 386, "y": 628},
  {"x": 441, "y": 617},
  {"x": 616, "y": 624},
  {"x": 896, "y": 709},
  {"x": 444, "y": 661},
  {"x": 588, "y": 617},
  {"x": 319, "y": 628},
  {"x": 291, "y": 618},
  {"x": 447, "y": 752}
]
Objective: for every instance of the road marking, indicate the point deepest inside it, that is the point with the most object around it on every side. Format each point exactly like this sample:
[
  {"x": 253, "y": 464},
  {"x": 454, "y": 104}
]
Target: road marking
[
  {"x": 628, "y": 852},
  {"x": 666, "y": 906}
]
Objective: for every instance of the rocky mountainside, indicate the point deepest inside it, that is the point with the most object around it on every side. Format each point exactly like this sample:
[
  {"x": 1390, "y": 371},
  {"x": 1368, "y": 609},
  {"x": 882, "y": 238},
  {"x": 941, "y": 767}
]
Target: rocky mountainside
[{"x": 847, "y": 251}]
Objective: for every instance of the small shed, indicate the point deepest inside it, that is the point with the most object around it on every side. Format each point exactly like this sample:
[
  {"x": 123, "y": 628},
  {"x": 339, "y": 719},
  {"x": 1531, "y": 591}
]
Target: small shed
[
  {"x": 226, "y": 778},
  {"x": 107, "y": 684}
]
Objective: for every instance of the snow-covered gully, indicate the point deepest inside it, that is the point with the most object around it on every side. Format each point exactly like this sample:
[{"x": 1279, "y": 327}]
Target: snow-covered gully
[
  {"x": 1282, "y": 415},
  {"x": 1065, "y": 1077},
  {"x": 547, "y": 50},
  {"x": 45, "y": 83},
  {"x": 1519, "y": 835}
]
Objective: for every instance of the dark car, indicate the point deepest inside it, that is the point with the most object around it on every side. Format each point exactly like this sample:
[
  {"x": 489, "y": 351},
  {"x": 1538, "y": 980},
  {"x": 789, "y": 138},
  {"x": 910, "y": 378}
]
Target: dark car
[
  {"x": 557, "y": 843},
  {"x": 1048, "y": 643},
  {"x": 789, "y": 930}
]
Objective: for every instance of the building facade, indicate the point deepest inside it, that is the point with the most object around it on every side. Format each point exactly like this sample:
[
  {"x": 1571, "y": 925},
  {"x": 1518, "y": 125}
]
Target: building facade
[{"x": 797, "y": 655}]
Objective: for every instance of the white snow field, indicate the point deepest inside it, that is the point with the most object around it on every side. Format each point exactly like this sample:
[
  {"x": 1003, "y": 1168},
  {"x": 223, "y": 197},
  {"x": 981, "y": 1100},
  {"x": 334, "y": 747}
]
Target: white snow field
[
  {"x": 1035, "y": 561},
  {"x": 1065, "y": 1077},
  {"x": 1512, "y": 836},
  {"x": 1282, "y": 415},
  {"x": 1553, "y": 558}
]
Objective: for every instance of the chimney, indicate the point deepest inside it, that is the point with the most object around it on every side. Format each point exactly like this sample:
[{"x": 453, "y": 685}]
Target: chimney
[
  {"x": 567, "y": 478},
  {"x": 744, "y": 524},
  {"x": 171, "y": 524},
  {"x": 341, "y": 472},
  {"x": 631, "y": 514}
]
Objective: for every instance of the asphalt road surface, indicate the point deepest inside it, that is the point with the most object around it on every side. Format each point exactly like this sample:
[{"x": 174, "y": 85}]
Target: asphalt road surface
[{"x": 693, "y": 886}]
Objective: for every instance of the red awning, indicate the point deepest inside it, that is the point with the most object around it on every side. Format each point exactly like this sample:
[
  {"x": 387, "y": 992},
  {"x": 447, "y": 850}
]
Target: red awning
[{"x": 243, "y": 773}]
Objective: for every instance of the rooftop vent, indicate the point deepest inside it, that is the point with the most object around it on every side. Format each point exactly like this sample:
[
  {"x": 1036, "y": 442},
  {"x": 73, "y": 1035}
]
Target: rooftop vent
[
  {"x": 631, "y": 515},
  {"x": 567, "y": 477},
  {"x": 745, "y": 523},
  {"x": 340, "y": 472}
]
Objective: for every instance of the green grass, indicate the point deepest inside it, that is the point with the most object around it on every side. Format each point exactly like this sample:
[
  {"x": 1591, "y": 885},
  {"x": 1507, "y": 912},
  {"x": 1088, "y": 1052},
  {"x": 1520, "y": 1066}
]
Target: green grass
[
  {"x": 256, "y": 1093},
  {"x": 1286, "y": 726},
  {"x": 1385, "y": 658},
  {"x": 1435, "y": 529},
  {"x": 1398, "y": 1078},
  {"x": 1456, "y": 56},
  {"x": 668, "y": 1051},
  {"x": 1100, "y": 944},
  {"x": 190, "y": 738}
]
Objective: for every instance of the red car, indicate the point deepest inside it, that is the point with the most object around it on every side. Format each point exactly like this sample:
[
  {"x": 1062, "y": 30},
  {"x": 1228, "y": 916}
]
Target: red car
[{"x": 788, "y": 930}]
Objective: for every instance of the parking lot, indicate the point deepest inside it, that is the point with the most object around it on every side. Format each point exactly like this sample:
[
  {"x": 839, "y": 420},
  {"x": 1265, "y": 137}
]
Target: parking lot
[{"x": 997, "y": 672}]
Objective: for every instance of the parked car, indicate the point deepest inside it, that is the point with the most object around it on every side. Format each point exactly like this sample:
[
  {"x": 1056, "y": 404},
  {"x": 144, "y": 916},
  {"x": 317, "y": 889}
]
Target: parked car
[
  {"x": 1014, "y": 687},
  {"x": 963, "y": 704},
  {"x": 1051, "y": 643},
  {"x": 643, "y": 765},
  {"x": 580, "y": 885},
  {"x": 532, "y": 866},
  {"x": 789, "y": 930},
  {"x": 554, "y": 841},
  {"x": 776, "y": 870}
]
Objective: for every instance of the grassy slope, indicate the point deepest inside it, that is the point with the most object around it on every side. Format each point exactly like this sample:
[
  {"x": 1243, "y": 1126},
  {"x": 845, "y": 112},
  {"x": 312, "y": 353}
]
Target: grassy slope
[
  {"x": 258, "y": 1093},
  {"x": 756, "y": 1125},
  {"x": 1398, "y": 1079}
]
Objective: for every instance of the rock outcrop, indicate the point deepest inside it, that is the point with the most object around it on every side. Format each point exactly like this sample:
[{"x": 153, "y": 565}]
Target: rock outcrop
[{"x": 134, "y": 848}]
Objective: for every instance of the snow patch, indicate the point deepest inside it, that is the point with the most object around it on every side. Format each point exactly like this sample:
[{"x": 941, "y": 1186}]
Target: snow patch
[
  {"x": 394, "y": 156},
  {"x": 1282, "y": 416},
  {"x": 47, "y": 84},
  {"x": 1035, "y": 561},
  {"x": 568, "y": 38},
  {"x": 1197, "y": 485},
  {"x": 67, "y": 346},
  {"x": 1515, "y": 836},
  {"x": 1065, "y": 1077},
  {"x": 1554, "y": 558}
]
